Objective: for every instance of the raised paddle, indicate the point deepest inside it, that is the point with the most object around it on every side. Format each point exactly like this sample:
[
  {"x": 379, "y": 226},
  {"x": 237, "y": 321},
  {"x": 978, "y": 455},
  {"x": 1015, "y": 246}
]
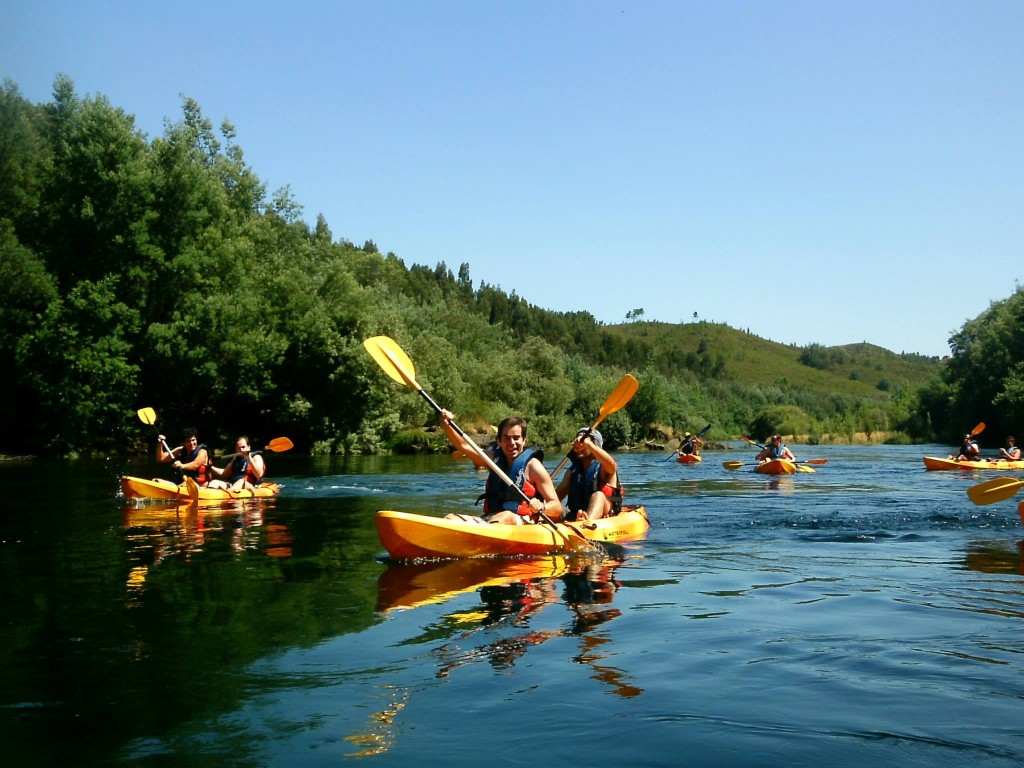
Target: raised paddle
[
  {"x": 148, "y": 416},
  {"x": 674, "y": 453},
  {"x": 277, "y": 445},
  {"x": 996, "y": 489},
  {"x": 396, "y": 364},
  {"x": 621, "y": 395}
]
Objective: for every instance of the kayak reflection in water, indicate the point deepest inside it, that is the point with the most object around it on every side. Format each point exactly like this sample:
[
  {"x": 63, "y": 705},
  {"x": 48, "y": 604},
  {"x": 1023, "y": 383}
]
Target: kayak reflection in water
[
  {"x": 588, "y": 592},
  {"x": 504, "y": 504}
]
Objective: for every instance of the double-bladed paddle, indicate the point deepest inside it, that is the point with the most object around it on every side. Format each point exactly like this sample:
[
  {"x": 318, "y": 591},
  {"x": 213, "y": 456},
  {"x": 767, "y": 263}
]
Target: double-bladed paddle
[
  {"x": 674, "y": 453},
  {"x": 996, "y": 489},
  {"x": 738, "y": 464},
  {"x": 396, "y": 363},
  {"x": 621, "y": 395}
]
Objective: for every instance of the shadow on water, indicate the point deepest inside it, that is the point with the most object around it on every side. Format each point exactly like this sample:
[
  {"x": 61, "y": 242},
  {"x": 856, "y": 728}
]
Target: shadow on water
[{"x": 125, "y": 621}]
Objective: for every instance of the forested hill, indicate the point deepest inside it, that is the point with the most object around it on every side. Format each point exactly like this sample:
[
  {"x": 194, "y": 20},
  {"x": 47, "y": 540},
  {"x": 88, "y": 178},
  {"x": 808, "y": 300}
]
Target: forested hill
[
  {"x": 138, "y": 272},
  {"x": 720, "y": 351}
]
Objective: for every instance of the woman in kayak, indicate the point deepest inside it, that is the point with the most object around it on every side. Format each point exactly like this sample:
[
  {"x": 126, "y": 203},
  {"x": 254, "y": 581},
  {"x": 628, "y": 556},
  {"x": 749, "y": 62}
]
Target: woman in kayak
[
  {"x": 523, "y": 465},
  {"x": 776, "y": 449},
  {"x": 190, "y": 459},
  {"x": 1011, "y": 452},
  {"x": 245, "y": 471}
]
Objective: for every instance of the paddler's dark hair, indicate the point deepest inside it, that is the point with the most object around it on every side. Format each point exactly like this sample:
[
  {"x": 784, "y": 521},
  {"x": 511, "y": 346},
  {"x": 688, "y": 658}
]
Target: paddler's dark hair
[{"x": 511, "y": 421}]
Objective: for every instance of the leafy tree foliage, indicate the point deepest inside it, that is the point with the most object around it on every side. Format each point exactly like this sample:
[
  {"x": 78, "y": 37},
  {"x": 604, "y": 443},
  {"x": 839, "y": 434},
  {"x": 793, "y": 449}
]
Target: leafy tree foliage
[
  {"x": 138, "y": 272},
  {"x": 983, "y": 377}
]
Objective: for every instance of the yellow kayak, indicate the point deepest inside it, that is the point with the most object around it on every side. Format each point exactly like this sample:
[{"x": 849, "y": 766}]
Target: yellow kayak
[
  {"x": 933, "y": 463},
  {"x": 408, "y": 536},
  {"x": 165, "y": 490}
]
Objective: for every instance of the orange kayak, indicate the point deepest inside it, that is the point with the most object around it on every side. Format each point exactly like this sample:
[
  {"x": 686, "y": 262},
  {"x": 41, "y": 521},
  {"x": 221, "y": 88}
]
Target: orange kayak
[
  {"x": 408, "y": 536},
  {"x": 689, "y": 458},
  {"x": 776, "y": 467}
]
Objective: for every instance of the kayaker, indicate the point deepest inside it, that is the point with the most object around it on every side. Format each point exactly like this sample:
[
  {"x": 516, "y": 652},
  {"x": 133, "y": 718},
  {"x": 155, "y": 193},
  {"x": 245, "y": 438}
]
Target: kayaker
[
  {"x": 776, "y": 449},
  {"x": 690, "y": 446},
  {"x": 522, "y": 465},
  {"x": 188, "y": 459},
  {"x": 969, "y": 450},
  {"x": 245, "y": 471},
  {"x": 1011, "y": 452},
  {"x": 591, "y": 485}
]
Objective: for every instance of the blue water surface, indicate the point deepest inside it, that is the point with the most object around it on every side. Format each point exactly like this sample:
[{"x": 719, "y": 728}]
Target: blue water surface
[{"x": 863, "y": 614}]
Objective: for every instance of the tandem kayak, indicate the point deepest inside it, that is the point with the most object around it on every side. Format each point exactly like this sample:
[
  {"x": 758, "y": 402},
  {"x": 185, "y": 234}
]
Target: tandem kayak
[
  {"x": 407, "y": 536},
  {"x": 776, "y": 467},
  {"x": 165, "y": 490},
  {"x": 933, "y": 463},
  {"x": 689, "y": 458}
]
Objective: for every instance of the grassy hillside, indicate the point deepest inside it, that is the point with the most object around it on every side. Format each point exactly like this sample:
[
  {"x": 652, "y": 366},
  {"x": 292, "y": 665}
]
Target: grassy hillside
[{"x": 859, "y": 370}]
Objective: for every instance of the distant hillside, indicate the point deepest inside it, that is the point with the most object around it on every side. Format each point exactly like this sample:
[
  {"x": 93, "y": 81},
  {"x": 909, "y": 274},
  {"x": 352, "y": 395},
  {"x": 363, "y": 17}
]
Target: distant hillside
[{"x": 717, "y": 351}]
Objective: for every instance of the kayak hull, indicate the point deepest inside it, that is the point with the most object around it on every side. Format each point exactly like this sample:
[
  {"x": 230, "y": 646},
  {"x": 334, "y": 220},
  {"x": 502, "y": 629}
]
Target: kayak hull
[
  {"x": 934, "y": 464},
  {"x": 689, "y": 458},
  {"x": 408, "y": 536},
  {"x": 158, "y": 489},
  {"x": 776, "y": 467}
]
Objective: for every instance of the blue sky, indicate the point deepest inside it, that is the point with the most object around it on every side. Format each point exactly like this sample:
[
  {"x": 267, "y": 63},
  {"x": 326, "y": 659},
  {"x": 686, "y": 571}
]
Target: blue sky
[{"x": 828, "y": 172}]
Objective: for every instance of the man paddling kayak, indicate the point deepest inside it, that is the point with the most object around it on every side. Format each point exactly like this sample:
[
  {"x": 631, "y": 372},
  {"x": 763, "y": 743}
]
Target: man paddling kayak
[
  {"x": 503, "y": 504},
  {"x": 190, "y": 459},
  {"x": 969, "y": 450}
]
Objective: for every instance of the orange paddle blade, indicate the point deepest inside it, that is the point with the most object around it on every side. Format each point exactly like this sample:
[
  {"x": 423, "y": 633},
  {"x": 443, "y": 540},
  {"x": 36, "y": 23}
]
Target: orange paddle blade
[{"x": 279, "y": 444}]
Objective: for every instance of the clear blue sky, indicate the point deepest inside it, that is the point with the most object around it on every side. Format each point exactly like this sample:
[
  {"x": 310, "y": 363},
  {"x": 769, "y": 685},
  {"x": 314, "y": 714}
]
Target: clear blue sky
[{"x": 817, "y": 171}]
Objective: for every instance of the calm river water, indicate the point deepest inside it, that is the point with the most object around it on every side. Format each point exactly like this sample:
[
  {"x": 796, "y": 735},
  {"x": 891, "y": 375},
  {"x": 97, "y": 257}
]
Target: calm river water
[{"x": 866, "y": 614}]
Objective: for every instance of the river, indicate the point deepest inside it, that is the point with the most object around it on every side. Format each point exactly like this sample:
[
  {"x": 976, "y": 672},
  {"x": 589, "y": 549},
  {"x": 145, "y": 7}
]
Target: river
[{"x": 864, "y": 614}]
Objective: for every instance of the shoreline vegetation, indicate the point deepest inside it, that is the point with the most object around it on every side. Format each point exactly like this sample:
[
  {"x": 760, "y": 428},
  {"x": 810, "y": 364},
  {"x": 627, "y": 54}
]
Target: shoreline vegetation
[{"x": 129, "y": 264}]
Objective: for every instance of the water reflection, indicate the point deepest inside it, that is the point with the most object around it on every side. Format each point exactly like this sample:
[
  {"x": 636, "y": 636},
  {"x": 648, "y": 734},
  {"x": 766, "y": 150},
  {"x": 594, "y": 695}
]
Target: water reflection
[
  {"x": 989, "y": 557},
  {"x": 513, "y": 592}
]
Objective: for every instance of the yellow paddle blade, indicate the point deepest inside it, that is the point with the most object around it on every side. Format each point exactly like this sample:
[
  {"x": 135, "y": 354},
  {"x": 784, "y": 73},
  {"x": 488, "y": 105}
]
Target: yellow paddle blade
[
  {"x": 193, "y": 489},
  {"x": 978, "y": 428},
  {"x": 392, "y": 359},
  {"x": 147, "y": 416},
  {"x": 279, "y": 444},
  {"x": 991, "y": 491},
  {"x": 621, "y": 395},
  {"x": 732, "y": 464}
]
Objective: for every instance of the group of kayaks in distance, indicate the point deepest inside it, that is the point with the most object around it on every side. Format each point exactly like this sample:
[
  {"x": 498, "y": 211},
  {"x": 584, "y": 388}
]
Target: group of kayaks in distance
[{"x": 409, "y": 536}]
